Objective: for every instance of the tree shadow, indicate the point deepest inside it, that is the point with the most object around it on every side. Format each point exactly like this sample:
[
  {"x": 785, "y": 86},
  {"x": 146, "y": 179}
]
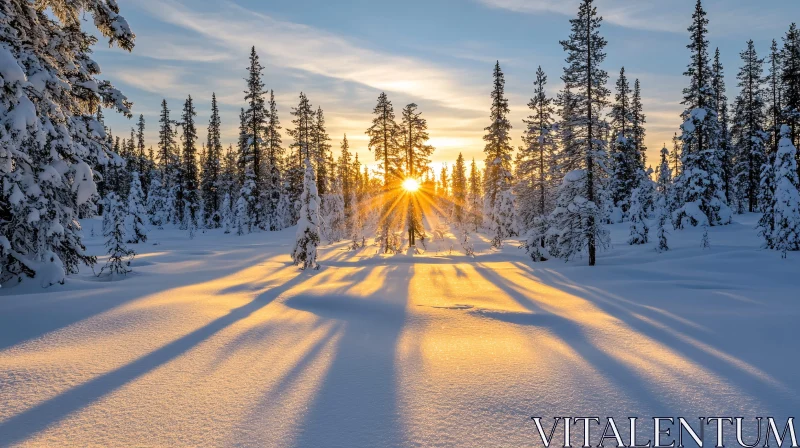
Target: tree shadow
[
  {"x": 572, "y": 333},
  {"x": 27, "y": 423},
  {"x": 356, "y": 404},
  {"x": 26, "y": 318}
]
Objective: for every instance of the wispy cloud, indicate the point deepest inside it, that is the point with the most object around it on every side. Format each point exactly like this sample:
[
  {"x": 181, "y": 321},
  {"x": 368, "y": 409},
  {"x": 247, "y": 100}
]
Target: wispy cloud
[
  {"x": 625, "y": 13},
  {"x": 305, "y": 48}
]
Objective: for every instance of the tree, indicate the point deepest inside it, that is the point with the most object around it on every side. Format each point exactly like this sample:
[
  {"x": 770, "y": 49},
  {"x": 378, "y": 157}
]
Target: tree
[
  {"x": 255, "y": 123},
  {"x": 304, "y": 253},
  {"x": 638, "y": 120},
  {"x": 786, "y": 236},
  {"x": 136, "y": 215},
  {"x": 50, "y": 137},
  {"x": 638, "y": 215},
  {"x": 498, "y": 144},
  {"x": 726, "y": 150},
  {"x": 502, "y": 221},
  {"x": 210, "y": 181},
  {"x": 535, "y": 158},
  {"x": 663, "y": 199},
  {"x": 700, "y": 181},
  {"x": 459, "y": 189},
  {"x": 790, "y": 75},
  {"x": 322, "y": 149},
  {"x": 119, "y": 255},
  {"x": 383, "y": 139},
  {"x": 774, "y": 94},
  {"x": 582, "y": 188},
  {"x": 144, "y": 164},
  {"x": 475, "y": 196},
  {"x": 242, "y": 217},
  {"x": 749, "y": 137},
  {"x": 568, "y": 233},
  {"x": 226, "y": 214},
  {"x": 191, "y": 199},
  {"x": 275, "y": 153},
  {"x": 624, "y": 160},
  {"x": 169, "y": 163},
  {"x": 157, "y": 204}
]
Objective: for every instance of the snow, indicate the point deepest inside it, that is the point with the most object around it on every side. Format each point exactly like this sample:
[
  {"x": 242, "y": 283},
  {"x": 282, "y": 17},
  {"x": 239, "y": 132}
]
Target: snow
[
  {"x": 10, "y": 70},
  {"x": 220, "y": 340},
  {"x": 23, "y": 115}
]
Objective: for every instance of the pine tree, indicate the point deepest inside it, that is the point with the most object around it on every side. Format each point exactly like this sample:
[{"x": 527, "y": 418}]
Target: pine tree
[
  {"x": 459, "y": 190},
  {"x": 790, "y": 75},
  {"x": 242, "y": 217},
  {"x": 749, "y": 137},
  {"x": 144, "y": 167},
  {"x": 119, "y": 255},
  {"x": 581, "y": 194},
  {"x": 210, "y": 181},
  {"x": 308, "y": 239},
  {"x": 168, "y": 161},
  {"x": 321, "y": 151},
  {"x": 502, "y": 223},
  {"x": 624, "y": 160},
  {"x": 533, "y": 175},
  {"x": 475, "y": 196},
  {"x": 190, "y": 196},
  {"x": 774, "y": 95},
  {"x": 383, "y": 139},
  {"x": 303, "y": 122},
  {"x": 157, "y": 204},
  {"x": 136, "y": 214},
  {"x": 638, "y": 120},
  {"x": 663, "y": 199},
  {"x": 700, "y": 181},
  {"x": 226, "y": 214},
  {"x": 333, "y": 220},
  {"x": 255, "y": 123},
  {"x": 726, "y": 150},
  {"x": 786, "y": 236},
  {"x": 50, "y": 138},
  {"x": 498, "y": 145},
  {"x": 638, "y": 229},
  {"x": 275, "y": 153}
]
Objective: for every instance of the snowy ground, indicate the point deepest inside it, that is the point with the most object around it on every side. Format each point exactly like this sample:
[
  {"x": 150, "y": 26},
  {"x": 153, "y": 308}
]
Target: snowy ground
[{"x": 220, "y": 341}]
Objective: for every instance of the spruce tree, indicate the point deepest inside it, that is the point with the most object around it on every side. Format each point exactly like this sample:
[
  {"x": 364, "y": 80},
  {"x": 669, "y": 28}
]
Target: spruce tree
[
  {"x": 663, "y": 199},
  {"x": 475, "y": 196},
  {"x": 226, "y": 214},
  {"x": 191, "y": 199},
  {"x": 580, "y": 213},
  {"x": 774, "y": 95},
  {"x": 638, "y": 120},
  {"x": 459, "y": 190},
  {"x": 749, "y": 137},
  {"x": 119, "y": 255},
  {"x": 210, "y": 181},
  {"x": 136, "y": 214},
  {"x": 144, "y": 164},
  {"x": 157, "y": 204},
  {"x": 255, "y": 123},
  {"x": 700, "y": 181},
  {"x": 275, "y": 153},
  {"x": 639, "y": 231},
  {"x": 303, "y": 122},
  {"x": 726, "y": 150},
  {"x": 786, "y": 211},
  {"x": 321, "y": 151},
  {"x": 50, "y": 138},
  {"x": 535, "y": 158},
  {"x": 790, "y": 75},
  {"x": 304, "y": 253},
  {"x": 168, "y": 161},
  {"x": 498, "y": 145},
  {"x": 624, "y": 160},
  {"x": 416, "y": 154},
  {"x": 383, "y": 140}
]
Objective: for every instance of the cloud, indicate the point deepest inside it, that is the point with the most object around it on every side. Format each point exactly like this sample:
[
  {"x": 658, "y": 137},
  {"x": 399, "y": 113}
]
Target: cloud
[
  {"x": 318, "y": 52},
  {"x": 624, "y": 13}
]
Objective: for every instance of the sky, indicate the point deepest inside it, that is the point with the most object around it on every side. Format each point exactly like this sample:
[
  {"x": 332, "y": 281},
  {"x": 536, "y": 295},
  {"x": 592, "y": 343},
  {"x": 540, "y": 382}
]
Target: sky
[{"x": 436, "y": 53}]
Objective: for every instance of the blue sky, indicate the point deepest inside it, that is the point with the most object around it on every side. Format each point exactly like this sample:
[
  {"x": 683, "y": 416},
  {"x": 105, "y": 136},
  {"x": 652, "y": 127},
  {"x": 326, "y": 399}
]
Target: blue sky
[{"x": 437, "y": 53}]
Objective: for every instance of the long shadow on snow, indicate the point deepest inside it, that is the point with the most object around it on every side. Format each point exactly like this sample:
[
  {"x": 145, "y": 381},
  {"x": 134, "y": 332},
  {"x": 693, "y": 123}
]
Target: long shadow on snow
[
  {"x": 357, "y": 404},
  {"x": 728, "y": 367},
  {"x": 26, "y": 318},
  {"x": 24, "y": 425},
  {"x": 574, "y": 336}
]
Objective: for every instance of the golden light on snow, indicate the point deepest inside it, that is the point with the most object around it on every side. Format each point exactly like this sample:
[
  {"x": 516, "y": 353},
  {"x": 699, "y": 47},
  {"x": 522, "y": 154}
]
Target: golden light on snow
[{"x": 410, "y": 185}]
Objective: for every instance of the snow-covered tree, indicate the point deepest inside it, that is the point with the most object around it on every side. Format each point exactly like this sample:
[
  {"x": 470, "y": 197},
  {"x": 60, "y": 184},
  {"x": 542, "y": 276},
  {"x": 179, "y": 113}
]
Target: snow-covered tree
[
  {"x": 191, "y": 195},
  {"x": 502, "y": 223},
  {"x": 210, "y": 179},
  {"x": 459, "y": 189},
  {"x": 576, "y": 221},
  {"x": 119, "y": 255},
  {"x": 581, "y": 194},
  {"x": 169, "y": 162},
  {"x": 790, "y": 77},
  {"x": 662, "y": 218},
  {"x": 624, "y": 160},
  {"x": 321, "y": 152},
  {"x": 700, "y": 181},
  {"x": 49, "y": 134},
  {"x": 136, "y": 214},
  {"x": 242, "y": 222},
  {"x": 533, "y": 177},
  {"x": 302, "y": 146},
  {"x": 227, "y": 216},
  {"x": 157, "y": 204},
  {"x": 498, "y": 149},
  {"x": 275, "y": 152},
  {"x": 384, "y": 140},
  {"x": 726, "y": 153},
  {"x": 638, "y": 218},
  {"x": 333, "y": 220},
  {"x": 749, "y": 138},
  {"x": 475, "y": 196},
  {"x": 255, "y": 122},
  {"x": 304, "y": 253},
  {"x": 774, "y": 94},
  {"x": 786, "y": 211}
]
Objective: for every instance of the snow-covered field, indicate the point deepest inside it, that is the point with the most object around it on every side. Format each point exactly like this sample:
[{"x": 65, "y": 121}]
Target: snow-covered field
[{"x": 221, "y": 341}]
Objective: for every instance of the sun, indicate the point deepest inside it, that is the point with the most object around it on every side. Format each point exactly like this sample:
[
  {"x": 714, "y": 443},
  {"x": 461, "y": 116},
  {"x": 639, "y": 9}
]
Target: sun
[{"x": 410, "y": 185}]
